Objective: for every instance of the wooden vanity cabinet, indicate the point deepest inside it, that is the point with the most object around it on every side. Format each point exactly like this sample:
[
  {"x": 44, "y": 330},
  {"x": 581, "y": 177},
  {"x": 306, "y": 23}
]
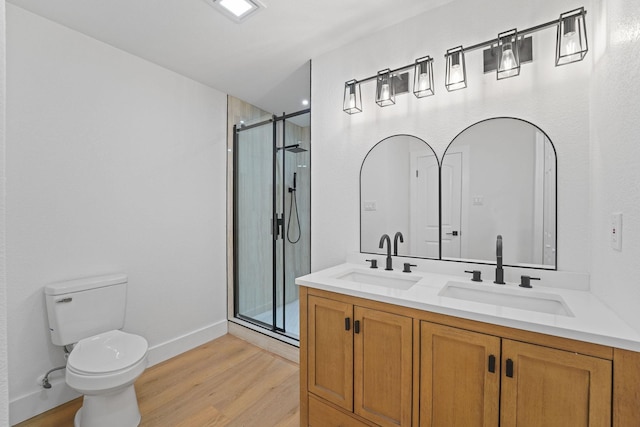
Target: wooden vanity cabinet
[
  {"x": 361, "y": 360},
  {"x": 467, "y": 379},
  {"x": 459, "y": 377},
  {"x": 543, "y": 386},
  {"x": 411, "y": 367},
  {"x": 330, "y": 349}
]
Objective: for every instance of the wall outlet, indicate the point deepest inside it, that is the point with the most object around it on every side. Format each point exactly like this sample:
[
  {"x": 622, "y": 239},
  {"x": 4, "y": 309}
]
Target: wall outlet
[
  {"x": 370, "y": 206},
  {"x": 616, "y": 231}
]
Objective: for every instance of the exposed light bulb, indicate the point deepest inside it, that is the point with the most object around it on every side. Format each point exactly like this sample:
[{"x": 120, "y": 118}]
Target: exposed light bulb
[
  {"x": 305, "y": 102},
  {"x": 352, "y": 100},
  {"x": 423, "y": 82},
  {"x": 456, "y": 74},
  {"x": 571, "y": 46},
  {"x": 570, "y": 43},
  {"x": 508, "y": 63},
  {"x": 384, "y": 92}
]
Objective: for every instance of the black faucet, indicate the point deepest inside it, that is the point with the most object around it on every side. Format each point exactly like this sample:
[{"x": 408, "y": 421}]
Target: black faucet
[
  {"x": 385, "y": 237},
  {"x": 499, "y": 271},
  {"x": 395, "y": 242}
]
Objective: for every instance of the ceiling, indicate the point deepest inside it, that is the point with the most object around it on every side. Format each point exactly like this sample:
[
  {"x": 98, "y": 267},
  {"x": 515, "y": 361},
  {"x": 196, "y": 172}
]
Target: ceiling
[{"x": 263, "y": 60}]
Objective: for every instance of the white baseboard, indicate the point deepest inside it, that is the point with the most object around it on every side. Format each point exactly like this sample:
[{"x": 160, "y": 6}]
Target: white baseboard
[
  {"x": 29, "y": 405},
  {"x": 41, "y": 400},
  {"x": 168, "y": 349}
]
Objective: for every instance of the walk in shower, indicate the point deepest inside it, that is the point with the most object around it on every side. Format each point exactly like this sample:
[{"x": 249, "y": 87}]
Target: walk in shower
[{"x": 272, "y": 219}]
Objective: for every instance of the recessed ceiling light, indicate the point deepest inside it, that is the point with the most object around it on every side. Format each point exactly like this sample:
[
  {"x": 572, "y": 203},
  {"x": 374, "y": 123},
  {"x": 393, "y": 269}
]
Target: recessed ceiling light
[{"x": 237, "y": 10}]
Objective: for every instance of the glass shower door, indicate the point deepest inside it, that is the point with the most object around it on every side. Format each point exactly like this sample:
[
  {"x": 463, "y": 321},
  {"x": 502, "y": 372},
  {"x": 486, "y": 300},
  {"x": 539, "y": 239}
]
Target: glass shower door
[
  {"x": 253, "y": 239},
  {"x": 272, "y": 238}
]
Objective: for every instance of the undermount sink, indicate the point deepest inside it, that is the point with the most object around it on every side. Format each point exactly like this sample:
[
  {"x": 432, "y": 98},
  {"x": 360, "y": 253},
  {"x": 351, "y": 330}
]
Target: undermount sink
[
  {"x": 380, "y": 279},
  {"x": 523, "y": 299}
]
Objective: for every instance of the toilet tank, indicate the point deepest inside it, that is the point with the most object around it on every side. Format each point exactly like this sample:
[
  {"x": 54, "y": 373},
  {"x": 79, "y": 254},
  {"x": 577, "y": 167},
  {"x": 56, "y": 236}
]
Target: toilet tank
[{"x": 85, "y": 307}]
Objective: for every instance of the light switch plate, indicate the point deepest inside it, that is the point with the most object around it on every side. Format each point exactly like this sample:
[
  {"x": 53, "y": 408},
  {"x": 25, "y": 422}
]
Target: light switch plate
[{"x": 616, "y": 231}]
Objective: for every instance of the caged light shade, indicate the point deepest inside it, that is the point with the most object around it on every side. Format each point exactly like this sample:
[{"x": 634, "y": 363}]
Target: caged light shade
[
  {"x": 385, "y": 89},
  {"x": 423, "y": 77},
  {"x": 455, "y": 72},
  {"x": 571, "y": 39},
  {"x": 352, "y": 103},
  {"x": 508, "y": 55}
]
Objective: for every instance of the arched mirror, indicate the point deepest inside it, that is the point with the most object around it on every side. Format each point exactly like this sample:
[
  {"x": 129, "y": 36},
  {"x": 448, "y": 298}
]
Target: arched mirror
[
  {"x": 399, "y": 193},
  {"x": 498, "y": 177}
]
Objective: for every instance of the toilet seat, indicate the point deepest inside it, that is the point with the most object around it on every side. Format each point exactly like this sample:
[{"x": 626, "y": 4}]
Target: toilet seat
[
  {"x": 108, "y": 352},
  {"x": 106, "y": 361}
]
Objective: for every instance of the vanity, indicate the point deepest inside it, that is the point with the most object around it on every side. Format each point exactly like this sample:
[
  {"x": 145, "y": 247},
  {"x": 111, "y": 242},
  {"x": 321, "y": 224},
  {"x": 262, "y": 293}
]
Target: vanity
[
  {"x": 435, "y": 342},
  {"x": 386, "y": 348}
]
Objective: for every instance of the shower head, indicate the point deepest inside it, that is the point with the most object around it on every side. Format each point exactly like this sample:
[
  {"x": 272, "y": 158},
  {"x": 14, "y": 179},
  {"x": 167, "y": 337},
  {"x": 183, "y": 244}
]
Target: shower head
[{"x": 294, "y": 148}]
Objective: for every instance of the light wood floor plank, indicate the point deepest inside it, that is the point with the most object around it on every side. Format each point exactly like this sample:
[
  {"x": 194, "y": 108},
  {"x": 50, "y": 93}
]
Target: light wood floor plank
[{"x": 226, "y": 382}]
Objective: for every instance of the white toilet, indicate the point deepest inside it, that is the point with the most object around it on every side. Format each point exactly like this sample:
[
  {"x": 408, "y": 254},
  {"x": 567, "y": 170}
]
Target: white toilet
[{"x": 104, "y": 362}]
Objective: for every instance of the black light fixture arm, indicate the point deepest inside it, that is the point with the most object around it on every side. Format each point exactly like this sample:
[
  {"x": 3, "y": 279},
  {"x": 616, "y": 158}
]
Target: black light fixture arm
[
  {"x": 521, "y": 33},
  {"x": 397, "y": 70}
]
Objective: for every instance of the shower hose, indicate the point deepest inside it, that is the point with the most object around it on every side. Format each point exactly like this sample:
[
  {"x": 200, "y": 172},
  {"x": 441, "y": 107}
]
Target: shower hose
[{"x": 293, "y": 203}]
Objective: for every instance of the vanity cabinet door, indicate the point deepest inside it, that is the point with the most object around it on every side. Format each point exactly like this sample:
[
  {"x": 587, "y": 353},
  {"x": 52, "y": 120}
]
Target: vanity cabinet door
[
  {"x": 330, "y": 351},
  {"x": 545, "y": 387},
  {"x": 459, "y": 377},
  {"x": 383, "y": 367}
]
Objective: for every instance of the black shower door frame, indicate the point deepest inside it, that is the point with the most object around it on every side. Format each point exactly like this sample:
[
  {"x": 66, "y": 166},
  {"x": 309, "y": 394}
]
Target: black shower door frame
[{"x": 277, "y": 224}]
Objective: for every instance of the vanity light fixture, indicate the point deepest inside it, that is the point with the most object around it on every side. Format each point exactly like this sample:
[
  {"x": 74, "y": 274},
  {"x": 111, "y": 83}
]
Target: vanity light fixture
[
  {"x": 455, "y": 76},
  {"x": 505, "y": 55},
  {"x": 423, "y": 77},
  {"x": 385, "y": 89},
  {"x": 571, "y": 39},
  {"x": 513, "y": 48},
  {"x": 508, "y": 55},
  {"x": 352, "y": 103}
]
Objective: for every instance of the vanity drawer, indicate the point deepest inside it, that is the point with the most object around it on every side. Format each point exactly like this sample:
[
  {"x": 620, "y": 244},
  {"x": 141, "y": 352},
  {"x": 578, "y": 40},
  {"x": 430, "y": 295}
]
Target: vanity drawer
[{"x": 323, "y": 415}]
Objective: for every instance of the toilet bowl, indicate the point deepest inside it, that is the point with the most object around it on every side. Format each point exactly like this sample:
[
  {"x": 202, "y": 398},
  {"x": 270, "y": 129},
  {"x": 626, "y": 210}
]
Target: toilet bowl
[
  {"x": 103, "y": 368},
  {"x": 89, "y": 314}
]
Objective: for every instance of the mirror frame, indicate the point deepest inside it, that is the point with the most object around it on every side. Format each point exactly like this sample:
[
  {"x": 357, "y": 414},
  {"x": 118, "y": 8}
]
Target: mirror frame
[
  {"x": 440, "y": 161},
  {"x": 435, "y": 155}
]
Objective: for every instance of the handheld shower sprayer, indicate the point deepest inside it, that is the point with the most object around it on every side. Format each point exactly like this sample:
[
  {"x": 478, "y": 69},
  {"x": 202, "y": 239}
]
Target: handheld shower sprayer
[{"x": 292, "y": 189}]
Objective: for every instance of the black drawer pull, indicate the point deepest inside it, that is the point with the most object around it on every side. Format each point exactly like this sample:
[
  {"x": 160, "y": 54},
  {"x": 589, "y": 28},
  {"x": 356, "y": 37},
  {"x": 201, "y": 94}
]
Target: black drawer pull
[
  {"x": 509, "y": 372},
  {"x": 356, "y": 326},
  {"x": 492, "y": 363}
]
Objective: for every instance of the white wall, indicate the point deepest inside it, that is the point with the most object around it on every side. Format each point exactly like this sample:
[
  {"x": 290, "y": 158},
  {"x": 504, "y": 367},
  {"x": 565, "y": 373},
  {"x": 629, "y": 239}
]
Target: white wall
[
  {"x": 556, "y": 99},
  {"x": 4, "y": 381},
  {"x": 615, "y": 154},
  {"x": 113, "y": 165}
]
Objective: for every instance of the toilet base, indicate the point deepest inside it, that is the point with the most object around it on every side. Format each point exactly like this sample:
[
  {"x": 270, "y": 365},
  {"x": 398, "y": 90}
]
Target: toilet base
[{"x": 109, "y": 410}]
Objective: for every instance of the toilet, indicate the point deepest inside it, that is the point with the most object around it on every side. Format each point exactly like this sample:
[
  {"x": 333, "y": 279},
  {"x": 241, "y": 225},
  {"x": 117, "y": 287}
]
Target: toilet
[{"x": 88, "y": 314}]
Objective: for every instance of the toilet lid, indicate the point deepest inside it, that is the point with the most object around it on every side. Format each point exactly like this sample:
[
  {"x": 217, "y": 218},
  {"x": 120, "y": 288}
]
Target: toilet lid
[{"x": 107, "y": 352}]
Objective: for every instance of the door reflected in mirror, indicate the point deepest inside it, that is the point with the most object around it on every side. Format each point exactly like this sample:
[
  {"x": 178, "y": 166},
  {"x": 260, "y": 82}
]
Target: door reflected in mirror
[
  {"x": 399, "y": 193},
  {"x": 498, "y": 177}
]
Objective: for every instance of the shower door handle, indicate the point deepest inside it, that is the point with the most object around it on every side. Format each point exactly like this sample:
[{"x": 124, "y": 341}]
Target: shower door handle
[{"x": 276, "y": 226}]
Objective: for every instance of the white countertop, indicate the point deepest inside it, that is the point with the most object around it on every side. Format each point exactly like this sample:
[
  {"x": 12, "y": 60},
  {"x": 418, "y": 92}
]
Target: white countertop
[{"x": 591, "y": 320}]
